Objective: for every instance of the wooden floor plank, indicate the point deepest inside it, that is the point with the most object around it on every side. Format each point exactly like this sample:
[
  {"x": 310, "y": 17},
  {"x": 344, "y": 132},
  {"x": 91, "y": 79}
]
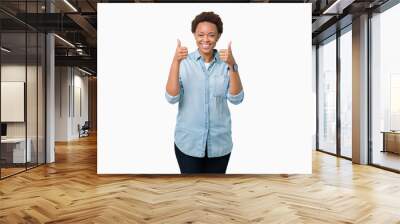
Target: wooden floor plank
[{"x": 70, "y": 191}]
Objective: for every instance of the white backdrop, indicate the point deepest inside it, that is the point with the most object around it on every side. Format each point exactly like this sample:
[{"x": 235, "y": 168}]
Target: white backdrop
[{"x": 271, "y": 129}]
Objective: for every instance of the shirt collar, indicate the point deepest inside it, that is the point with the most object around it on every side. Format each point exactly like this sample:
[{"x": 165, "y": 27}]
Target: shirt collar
[{"x": 197, "y": 55}]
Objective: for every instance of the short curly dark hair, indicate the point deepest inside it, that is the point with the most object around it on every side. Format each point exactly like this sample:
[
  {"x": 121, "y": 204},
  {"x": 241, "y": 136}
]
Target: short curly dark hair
[{"x": 207, "y": 17}]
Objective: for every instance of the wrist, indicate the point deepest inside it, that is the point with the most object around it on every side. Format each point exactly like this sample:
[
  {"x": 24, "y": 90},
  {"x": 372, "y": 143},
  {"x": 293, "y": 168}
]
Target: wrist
[
  {"x": 233, "y": 67},
  {"x": 176, "y": 61}
]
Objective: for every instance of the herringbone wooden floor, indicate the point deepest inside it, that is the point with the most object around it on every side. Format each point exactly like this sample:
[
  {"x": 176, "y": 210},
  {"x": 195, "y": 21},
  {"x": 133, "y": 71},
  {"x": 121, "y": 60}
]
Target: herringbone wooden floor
[{"x": 70, "y": 191}]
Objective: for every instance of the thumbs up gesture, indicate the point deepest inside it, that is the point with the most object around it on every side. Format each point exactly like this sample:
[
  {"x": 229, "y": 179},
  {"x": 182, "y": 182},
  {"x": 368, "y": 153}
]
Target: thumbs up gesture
[
  {"x": 226, "y": 55},
  {"x": 180, "y": 52}
]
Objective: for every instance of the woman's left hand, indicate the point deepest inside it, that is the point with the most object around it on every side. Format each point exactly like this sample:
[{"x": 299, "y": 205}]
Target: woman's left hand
[{"x": 227, "y": 56}]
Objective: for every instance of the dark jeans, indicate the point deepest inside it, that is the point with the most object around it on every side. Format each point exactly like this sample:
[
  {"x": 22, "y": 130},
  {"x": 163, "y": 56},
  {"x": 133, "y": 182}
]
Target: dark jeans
[{"x": 190, "y": 165}]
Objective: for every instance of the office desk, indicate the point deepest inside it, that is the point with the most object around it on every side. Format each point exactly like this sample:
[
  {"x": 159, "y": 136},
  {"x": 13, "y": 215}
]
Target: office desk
[
  {"x": 391, "y": 141},
  {"x": 13, "y": 150}
]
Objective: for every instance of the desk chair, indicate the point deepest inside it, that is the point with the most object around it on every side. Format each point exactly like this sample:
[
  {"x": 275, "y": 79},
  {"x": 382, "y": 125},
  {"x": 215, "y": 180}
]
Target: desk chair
[{"x": 84, "y": 130}]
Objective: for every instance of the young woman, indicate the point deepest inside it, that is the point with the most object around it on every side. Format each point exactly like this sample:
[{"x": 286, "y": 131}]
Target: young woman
[{"x": 202, "y": 82}]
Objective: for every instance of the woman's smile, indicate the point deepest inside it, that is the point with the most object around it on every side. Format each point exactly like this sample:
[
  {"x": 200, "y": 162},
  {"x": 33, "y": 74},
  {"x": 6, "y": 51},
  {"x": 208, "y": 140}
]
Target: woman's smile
[{"x": 205, "y": 46}]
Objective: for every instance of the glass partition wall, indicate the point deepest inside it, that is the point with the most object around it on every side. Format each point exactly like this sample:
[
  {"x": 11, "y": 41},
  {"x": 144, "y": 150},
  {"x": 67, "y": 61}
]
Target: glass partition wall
[
  {"x": 334, "y": 75},
  {"x": 22, "y": 77},
  {"x": 327, "y": 95},
  {"x": 385, "y": 89},
  {"x": 13, "y": 110},
  {"x": 345, "y": 61}
]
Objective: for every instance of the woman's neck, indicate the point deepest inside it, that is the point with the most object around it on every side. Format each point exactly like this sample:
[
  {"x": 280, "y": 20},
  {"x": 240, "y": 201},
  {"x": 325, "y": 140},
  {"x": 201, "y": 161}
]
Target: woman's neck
[{"x": 207, "y": 57}]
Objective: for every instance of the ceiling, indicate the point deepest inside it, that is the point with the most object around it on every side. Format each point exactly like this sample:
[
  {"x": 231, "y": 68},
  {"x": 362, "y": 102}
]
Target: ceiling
[{"x": 76, "y": 22}]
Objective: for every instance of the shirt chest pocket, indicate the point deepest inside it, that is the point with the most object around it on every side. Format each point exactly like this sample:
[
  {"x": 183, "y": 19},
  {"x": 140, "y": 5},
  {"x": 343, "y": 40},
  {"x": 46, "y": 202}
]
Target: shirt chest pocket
[{"x": 220, "y": 85}]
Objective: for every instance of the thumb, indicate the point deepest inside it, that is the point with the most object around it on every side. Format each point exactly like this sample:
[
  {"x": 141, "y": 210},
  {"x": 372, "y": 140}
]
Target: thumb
[
  {"x": 229, "y": 45},
  {"x": 178, "y": 42}
]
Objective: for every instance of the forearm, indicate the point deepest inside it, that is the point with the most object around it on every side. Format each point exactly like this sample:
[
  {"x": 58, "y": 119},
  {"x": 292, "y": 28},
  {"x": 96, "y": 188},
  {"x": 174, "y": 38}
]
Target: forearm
[
  {"x": 235, "y": 85},
  {"x": 173, "y": 79}
]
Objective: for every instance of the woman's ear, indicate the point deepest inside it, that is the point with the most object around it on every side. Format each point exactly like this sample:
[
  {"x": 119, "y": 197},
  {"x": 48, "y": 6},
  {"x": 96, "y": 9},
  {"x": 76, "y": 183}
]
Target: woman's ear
[{"x": 219, "y": 35}]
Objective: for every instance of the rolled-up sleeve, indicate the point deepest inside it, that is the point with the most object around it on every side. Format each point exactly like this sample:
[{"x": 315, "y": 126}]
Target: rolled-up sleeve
[
  {"x": 172, "y": 99},
  {"x": 236, "y": 99},
  {"x": 175, "y": 99}
]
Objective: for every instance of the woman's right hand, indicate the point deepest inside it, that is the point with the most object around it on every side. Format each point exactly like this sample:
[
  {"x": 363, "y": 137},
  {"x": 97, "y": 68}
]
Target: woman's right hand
[
  {"x": 180, "y": 52},
  {"x": 173, "y": 85}
]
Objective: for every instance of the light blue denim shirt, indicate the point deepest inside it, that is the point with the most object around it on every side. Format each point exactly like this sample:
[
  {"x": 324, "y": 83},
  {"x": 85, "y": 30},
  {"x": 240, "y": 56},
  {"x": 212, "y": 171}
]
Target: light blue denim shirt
[{"x": 203, "y": 115}]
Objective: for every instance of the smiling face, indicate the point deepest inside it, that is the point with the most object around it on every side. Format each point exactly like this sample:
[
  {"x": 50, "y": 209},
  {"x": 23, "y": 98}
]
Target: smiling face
[{"x": 206, "y": 36}]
